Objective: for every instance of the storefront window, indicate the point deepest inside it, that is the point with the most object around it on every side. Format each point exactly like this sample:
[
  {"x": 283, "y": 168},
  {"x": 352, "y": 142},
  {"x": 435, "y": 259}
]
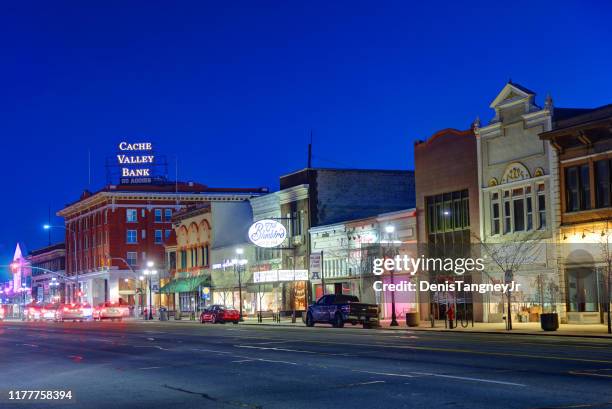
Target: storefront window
[{"x": 582, "y": 289}]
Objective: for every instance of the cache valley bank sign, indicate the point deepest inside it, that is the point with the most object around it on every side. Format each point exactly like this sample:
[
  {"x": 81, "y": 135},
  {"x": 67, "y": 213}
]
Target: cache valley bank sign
[
  {"x": 270, "y": 234},
  {"x": 136, "y": 162}
]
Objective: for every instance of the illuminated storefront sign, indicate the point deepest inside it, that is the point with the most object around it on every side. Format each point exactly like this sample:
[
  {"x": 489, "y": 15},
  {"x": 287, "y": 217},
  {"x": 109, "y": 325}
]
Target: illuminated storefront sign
[
  {"x": 273, "y": 276},
  {"x": 267, "y": 233}
]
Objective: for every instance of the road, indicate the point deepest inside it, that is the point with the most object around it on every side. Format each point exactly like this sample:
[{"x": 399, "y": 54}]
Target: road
[{"x": 188, "y": 365}]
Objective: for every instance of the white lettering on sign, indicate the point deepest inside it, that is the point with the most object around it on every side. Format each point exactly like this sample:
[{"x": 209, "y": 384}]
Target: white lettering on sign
[
  {"x": 267, "y": 233},
  {"x": 131, "y": 173},
  {"x": 131, "y": 160},
  {"x": 140, "y": 146}
]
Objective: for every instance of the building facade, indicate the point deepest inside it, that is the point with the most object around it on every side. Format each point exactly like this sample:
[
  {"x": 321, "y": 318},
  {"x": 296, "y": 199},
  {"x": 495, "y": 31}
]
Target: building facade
[
  {"x": 447, "y": 207},
  {"x": 348, "y": 251},
  {"x": 315, "y": 197},
  {"x": 583, "y": 142},
  {"x": 112, "y": 234},
  {"x": 519, "y": 207},
  {"x": 48, "y": 287}
]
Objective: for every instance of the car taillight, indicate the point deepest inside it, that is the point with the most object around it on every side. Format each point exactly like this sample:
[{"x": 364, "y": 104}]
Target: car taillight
[
  {"x": 44, "y": 311},
  {"x": 66, "y": 309}
]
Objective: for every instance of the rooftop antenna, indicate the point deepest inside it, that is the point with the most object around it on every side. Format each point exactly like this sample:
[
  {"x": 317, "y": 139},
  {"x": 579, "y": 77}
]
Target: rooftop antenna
[
  {"x": 176, "y": 180},
  {"x": 310, "y": 151}
]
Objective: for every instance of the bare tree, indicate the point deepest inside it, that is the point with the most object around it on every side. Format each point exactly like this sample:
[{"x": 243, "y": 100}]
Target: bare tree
[{"x": 509, "y": 257}]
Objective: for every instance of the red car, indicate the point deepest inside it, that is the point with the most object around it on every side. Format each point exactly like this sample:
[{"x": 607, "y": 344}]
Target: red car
[{"x": 219, "y": 313}]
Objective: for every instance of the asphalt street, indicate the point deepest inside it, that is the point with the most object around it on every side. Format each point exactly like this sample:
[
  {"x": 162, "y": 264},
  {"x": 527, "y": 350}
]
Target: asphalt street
[{"x": 189, "y": 365}]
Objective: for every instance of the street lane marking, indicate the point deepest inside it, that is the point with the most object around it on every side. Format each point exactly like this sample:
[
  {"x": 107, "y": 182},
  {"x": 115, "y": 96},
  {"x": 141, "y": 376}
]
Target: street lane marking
[
  {"x": 301, "y": 351},
  {"x": 465, "y": 378},
  {"x": 151, "y": 346},
  {"x": 593, "y": 372},
  {"x": 462, "y": 378},
  {"x": 150, "y": 367},
  {"x": 264, "y": 360},
  {"x": 385, "y": 373}
]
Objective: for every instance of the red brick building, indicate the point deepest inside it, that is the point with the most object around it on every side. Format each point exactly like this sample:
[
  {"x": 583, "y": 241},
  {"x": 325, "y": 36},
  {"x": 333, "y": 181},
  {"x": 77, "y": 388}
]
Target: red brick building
[
  {"x": 112, "y": 234},
  {"x": 447, "y": 203}
]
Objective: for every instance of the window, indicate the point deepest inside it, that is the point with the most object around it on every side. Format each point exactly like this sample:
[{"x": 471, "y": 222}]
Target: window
[
  {"x": 131, "y": 215},
  {"x": 602, "y": 183},
  {"x": 448, "y": 212},
  {"x": 183, "y": 259},
  {"x": 143, "y": 234},
  {"x": 507, "y": 214},
  {"x": 132, "y": 258},
  {"x": 158, "y": 237},
  {"x": 495, "y": 213},
  {"x": 167, "y": 234},
  {"x": 205, "y": 255},
  {"x": 541, "y": 206},
  {"x": 577, "y": 188},
  {"x": 132, "y": 237},
  {"x": 168, "y": 214},
  {"x": 529, "y": 209},
  {"x": 518, "y": 202},
  {"x": 158, "y": 216}
]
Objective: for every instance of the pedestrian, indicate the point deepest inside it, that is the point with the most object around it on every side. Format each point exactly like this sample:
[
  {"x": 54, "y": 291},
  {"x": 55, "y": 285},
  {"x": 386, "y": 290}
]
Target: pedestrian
[{"x": 451, "y": 316}]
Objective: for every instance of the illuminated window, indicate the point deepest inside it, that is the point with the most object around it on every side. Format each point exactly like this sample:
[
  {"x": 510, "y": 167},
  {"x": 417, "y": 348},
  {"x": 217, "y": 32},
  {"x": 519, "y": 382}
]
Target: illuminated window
[
  {"x": 158, "y": 237},
  {"x": 168, "y": 214},
  {"x": 132, "y": 237},
  {"x": 131, "y": 215},
  {"x": 132, "y": 258},
  {"x": 158, "y": 215}
]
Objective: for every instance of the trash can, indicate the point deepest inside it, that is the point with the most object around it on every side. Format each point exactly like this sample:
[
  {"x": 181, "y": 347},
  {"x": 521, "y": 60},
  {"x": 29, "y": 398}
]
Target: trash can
[
  {"x": 412, "y": 319},
  {"x": 163, "y": 314}
]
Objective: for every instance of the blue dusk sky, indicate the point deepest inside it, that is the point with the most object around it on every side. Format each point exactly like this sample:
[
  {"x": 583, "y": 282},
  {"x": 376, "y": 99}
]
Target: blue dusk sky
[{"x": 233, "y": 89}]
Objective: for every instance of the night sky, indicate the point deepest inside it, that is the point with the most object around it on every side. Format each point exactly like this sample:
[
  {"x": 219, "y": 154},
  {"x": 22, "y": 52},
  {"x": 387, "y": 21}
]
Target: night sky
[{"x": 235, "y": 88}]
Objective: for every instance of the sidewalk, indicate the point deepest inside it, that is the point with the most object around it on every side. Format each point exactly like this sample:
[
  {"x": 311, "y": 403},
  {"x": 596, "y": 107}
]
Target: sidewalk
[{"x": 531, "y": 328}]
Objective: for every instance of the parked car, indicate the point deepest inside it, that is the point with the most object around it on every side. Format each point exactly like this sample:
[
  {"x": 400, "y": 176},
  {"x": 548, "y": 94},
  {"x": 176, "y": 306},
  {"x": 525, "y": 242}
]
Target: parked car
[
  {"x": 219, "y": 313},
  {"x": 49, "y": 312},
  {"x": 338, "y": 309},
  {"x": 111, "y": 311},
  {"x": 70, "y": 312}
]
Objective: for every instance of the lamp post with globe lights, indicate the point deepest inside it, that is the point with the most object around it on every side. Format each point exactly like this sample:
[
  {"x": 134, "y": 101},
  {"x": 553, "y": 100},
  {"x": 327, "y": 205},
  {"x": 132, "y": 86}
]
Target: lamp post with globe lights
[
  {"x": 149, "y": 272},
  {"x": 238, "y": 262},
  {"x": 390, "y": 230}
]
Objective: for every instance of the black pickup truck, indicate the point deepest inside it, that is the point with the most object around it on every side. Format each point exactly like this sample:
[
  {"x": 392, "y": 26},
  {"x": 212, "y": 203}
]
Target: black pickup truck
[{"x": 337, "y": 309}]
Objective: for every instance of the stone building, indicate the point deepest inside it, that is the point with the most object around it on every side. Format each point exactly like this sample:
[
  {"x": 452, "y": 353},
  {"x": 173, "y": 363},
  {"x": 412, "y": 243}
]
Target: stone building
[{"x": 519, "y": 200}]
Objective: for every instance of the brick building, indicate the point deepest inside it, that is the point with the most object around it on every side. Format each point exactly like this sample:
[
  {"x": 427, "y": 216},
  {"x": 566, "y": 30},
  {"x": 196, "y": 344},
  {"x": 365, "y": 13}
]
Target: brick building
[
  {"x": 112, "y": 234},
  {"x": 447, "y": 209}
]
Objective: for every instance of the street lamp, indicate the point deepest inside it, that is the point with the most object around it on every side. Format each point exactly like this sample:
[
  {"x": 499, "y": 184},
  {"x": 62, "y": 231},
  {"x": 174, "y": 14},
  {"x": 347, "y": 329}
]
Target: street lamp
[
  {"x": 390, "y": 230},
  {"x": 238, "y": 262},
  {"x": 149, "y": 273},
  {"x": 76, "y": 270}
]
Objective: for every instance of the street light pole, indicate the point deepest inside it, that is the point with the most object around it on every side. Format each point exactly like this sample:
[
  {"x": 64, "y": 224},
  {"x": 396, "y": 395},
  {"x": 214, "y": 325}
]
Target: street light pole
[
  {"x": 237, "y": 266},
  {"x": 149, "y": 272},
  {"x": 76, "y": 270},
  {"x": 390, "y": 230}
]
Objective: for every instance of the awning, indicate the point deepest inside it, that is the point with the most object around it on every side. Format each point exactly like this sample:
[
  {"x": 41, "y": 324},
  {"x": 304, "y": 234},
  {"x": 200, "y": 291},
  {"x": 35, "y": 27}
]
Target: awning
[{"x": 185, "y": 285}]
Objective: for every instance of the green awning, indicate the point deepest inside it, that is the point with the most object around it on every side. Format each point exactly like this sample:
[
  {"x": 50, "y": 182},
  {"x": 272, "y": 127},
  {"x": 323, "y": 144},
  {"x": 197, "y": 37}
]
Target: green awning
[{"x": 185, "y": 285}]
